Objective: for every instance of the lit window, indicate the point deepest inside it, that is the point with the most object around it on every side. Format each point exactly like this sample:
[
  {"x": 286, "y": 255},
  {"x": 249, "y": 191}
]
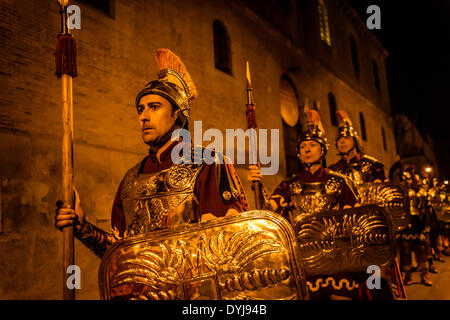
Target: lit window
[{"x": 323, "y": 21}]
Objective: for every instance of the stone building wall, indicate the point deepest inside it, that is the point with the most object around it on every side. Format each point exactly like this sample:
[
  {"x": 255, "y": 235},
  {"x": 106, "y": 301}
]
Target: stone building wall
[{"x": 115, "y": 60}]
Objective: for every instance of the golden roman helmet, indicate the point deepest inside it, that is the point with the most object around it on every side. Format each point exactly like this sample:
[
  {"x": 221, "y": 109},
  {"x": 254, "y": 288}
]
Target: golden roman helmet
[
  {"x": 345, "y": 128},
  {"x": 174, "y": 82},
  {"x": 314, "y": 130}
]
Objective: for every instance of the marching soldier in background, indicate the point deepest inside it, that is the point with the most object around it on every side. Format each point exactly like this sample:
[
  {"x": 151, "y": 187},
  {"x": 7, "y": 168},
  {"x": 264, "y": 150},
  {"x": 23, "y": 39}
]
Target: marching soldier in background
[
  {"x": 361, "y": 168},
  {"x": 415, "y": 236},
  {"x": 353, "y": 163},
  {"x": 324, "y": 190},
  {"x": 156, "y": 193},
  {"x": 445, "y": 207},
  {"x": 428, "y": 195},
  {"x": 437, "y": 232}
]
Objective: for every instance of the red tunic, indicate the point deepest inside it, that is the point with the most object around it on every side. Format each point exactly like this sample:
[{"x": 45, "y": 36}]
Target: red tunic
[{"x": 206, "y": 189}]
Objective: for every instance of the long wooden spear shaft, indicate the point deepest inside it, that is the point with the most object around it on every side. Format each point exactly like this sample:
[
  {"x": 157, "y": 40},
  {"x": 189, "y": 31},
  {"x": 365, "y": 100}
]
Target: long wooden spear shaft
[
  {"x": 251, "y": 124},
  {"x": 66, "y": 69}
]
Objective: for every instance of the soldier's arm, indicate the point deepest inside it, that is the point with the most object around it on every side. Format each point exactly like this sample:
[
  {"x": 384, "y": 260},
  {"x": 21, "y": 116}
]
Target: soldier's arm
[
  {"x": 219, "y": 192},
  {"x": 279, "y": 199},
  {"x": 96, "y": 239}
]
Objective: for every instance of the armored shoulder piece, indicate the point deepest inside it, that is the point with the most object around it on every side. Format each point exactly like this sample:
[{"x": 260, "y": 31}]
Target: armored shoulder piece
[
  {"x": 336, "y": 179},
  {"x": 293, "y": 184},
  {"x": 290, "y": 180},
  {"x": 370, "y": 159},
  {"x": 228, "y": 183}
]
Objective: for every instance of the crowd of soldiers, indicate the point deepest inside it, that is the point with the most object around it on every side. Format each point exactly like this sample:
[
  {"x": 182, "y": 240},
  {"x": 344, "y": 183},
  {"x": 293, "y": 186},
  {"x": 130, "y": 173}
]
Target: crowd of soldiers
[
  {"x": 345, "y": 218},
  {"x": 420, "y": 223},
  {"x": 427, "y": 233}
]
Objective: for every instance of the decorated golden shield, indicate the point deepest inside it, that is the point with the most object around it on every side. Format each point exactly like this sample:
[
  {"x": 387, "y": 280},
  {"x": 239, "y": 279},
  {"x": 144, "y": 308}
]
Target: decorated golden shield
[
  {"x": 248, "y": 256},
  {"x": 346, "y": 240},
  {"x": 391, "y": 197}
]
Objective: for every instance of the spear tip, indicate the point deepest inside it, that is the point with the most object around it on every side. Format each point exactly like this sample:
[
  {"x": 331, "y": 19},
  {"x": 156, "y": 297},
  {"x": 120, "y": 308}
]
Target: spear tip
[{"x": 249, "y": 79}]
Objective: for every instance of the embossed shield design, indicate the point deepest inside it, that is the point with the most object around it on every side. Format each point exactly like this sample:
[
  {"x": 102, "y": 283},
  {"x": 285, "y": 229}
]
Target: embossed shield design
[
  {"x": 389, "y": 196},
  {"x": 346, "y": 240},
  {"x": 252, "y": 255}
]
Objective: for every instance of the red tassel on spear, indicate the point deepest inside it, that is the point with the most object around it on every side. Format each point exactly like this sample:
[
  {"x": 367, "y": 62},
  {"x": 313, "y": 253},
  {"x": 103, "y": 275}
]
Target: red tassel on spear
[
  {"x": 66, "y": 56},
  {"x": 66, "y": 69}
]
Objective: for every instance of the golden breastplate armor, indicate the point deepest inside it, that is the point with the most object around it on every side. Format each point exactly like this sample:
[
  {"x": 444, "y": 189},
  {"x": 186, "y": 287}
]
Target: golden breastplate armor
[
  {"x": 310, "y": 198},
  {"x": 161, "y": 200},
  {"x": 359, "y": 172}
]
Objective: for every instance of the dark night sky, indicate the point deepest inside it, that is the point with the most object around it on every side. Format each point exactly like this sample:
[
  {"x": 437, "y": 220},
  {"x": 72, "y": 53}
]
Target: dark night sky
[{"x": 417, "y": 36}]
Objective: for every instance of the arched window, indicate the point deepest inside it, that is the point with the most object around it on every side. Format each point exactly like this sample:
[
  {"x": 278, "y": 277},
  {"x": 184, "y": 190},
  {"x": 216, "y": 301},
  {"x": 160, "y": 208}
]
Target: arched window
[
  {"x": 355, "y": 59},
  {"x": 291, "y": 126},
  {"x": 323, "y": 22},
  {"x": 222, "y": 47},
  {"x": 383, "y": 135},
  {"x": 376, "y": 77},
  {"x": 363, "y": 126},
  {"x": 333, "y": 109}
]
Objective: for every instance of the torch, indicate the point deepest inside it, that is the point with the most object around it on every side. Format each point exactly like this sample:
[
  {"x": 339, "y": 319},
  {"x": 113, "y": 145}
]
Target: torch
[
  {"x": 251, "y": 124},
  {"x": 66, "y": 69}
]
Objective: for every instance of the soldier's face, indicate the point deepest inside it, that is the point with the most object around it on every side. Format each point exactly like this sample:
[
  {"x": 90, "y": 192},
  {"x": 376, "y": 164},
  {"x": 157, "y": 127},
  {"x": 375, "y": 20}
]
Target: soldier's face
[
  {"x": 310, "y": 151},
  {"x": 344, "y": 144},
  {"x": 156, "y": 118}
]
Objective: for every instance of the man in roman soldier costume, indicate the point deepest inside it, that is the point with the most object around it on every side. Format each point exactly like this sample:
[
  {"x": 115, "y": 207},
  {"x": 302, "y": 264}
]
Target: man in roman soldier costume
[
  {"x": 445, "y": 218},
  {"x": 171, "y": 239},
  {"x": 156, "y": 193},
  {"x": 437, "y": 232},
  {"x": 353, "y": 163},
  {"x": 362, "y": 169},
  {"x": 426, "y": 193},
  {"x": 416, "y": 236},
  {"x": 312, "y": 190}
]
